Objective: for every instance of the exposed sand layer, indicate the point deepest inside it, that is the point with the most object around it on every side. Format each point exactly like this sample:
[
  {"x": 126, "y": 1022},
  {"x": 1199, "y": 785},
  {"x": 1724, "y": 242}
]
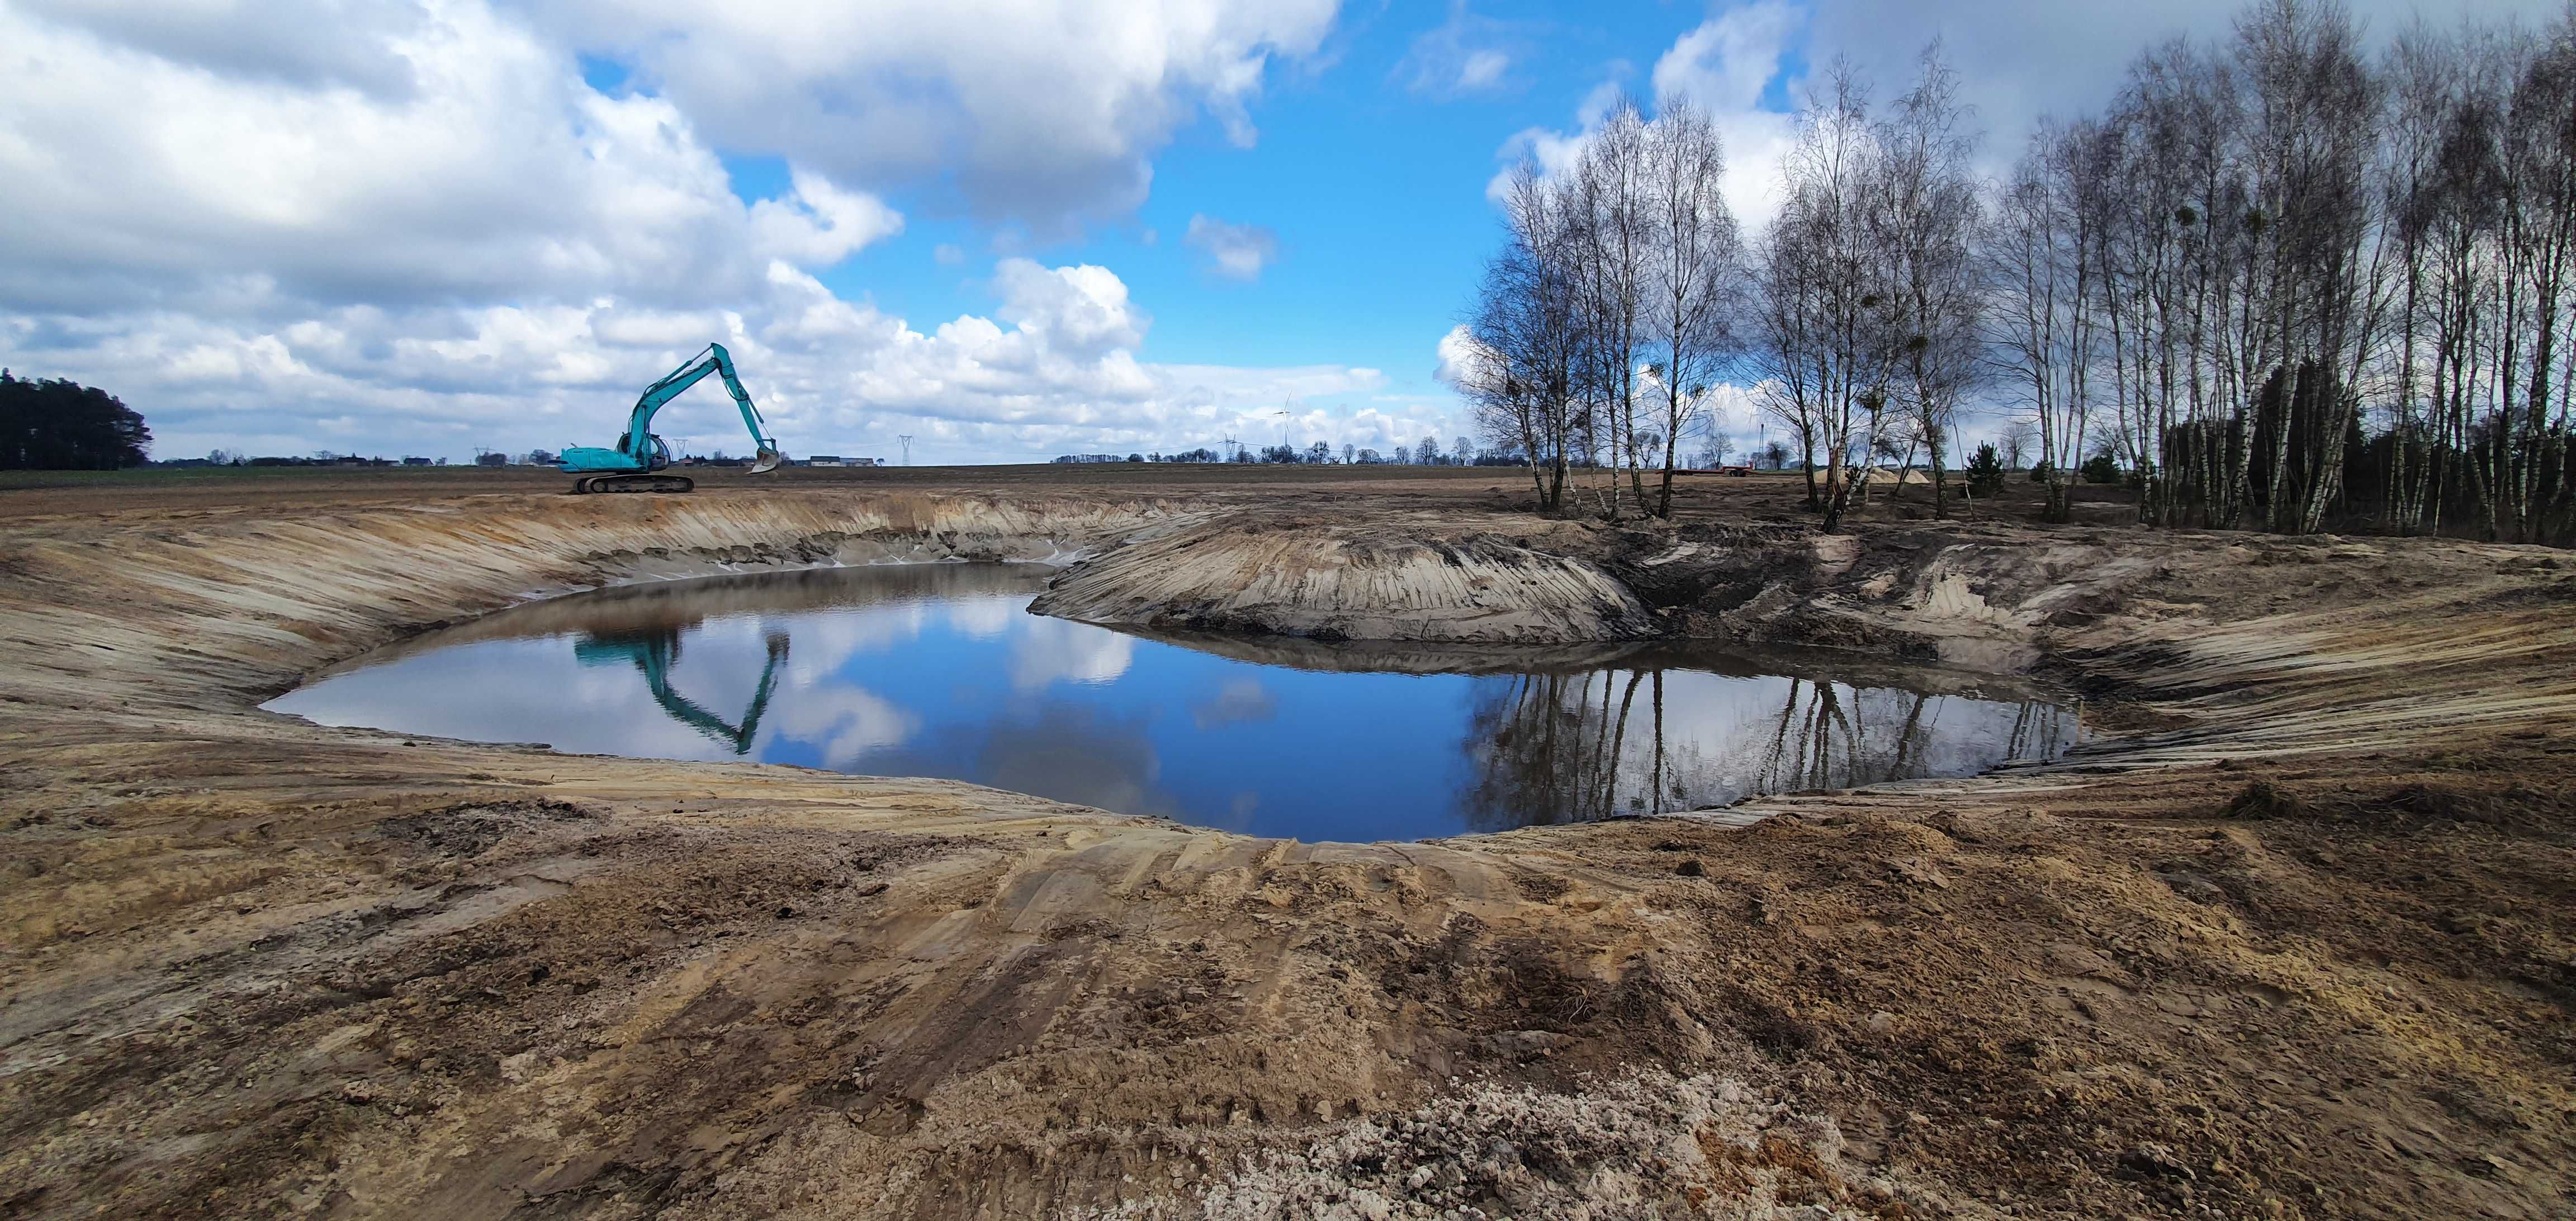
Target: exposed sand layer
[
  {"x": 1413, "y": 579},
  {"x": 244, "y": 605},
  {"x": 2292, "y": 939}
]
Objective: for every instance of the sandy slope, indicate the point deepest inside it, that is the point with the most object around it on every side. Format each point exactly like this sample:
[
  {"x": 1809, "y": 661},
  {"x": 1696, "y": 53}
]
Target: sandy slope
[{"x": 2297, "y": 942}]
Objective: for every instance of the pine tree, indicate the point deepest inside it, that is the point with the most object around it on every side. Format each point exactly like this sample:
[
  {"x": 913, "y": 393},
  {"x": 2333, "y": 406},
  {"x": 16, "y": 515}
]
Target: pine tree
[{"x": 1985, "y": 471}]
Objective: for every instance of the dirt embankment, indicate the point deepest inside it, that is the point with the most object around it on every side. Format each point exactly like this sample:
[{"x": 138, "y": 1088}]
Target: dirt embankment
[
  {"x": 187, "y": 611},
  {"x": 2296, "y": 943},
  {"x": 1249, "y": 572}
]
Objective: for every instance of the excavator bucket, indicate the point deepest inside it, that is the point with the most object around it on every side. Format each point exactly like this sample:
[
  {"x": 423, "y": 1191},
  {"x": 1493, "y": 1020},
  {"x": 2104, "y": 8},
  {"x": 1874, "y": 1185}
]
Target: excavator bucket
[{"x": 766, "y": 460}]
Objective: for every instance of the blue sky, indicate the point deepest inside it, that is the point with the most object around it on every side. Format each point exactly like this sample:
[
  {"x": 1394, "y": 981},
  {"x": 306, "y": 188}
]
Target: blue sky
[
  {"x": 1373, "y": 187},
  {"x": 1008, "y": 228},
  {"x": 1375, "y": 191}
]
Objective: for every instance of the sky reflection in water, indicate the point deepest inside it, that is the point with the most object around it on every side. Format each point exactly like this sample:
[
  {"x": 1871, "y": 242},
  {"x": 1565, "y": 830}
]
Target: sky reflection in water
[{"x": 937, "y": 670}]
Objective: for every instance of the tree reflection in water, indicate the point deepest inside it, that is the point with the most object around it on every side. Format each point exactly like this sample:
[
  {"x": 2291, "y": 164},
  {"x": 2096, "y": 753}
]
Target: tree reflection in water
[
  {"x": 936, "y": 670},
  {"x": 1570, "y": 747}
]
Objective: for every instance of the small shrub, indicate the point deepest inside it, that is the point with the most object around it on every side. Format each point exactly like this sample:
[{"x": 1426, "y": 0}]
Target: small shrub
[{"x": 1985, "y": 471}]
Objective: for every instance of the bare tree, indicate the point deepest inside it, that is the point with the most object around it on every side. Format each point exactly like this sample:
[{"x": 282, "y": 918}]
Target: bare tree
[
  {"x": 1789, "y": 385},
  {"x": 2539, "y": 255},
  {"x": 2286, "y": 285},
  {"x": 1925, "y": 216},
  {"x": 2354, "y": 264},
  {"x": 2040, "y": 334},
  {"x": 1825, "y": 320},
  {"x": 1600, "y": 326},
  {"x": 2312, "y": 127},
  {"x": 1696, "y": 274},
  {"x": 1611, "y": 206},
  {"x": 2016, "y": 437},
  {"x": 1521, "y": 376}
]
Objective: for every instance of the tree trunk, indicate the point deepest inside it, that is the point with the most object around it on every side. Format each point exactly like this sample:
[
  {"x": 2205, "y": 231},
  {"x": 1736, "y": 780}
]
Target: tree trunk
[{"x": 1664, "y": 496}]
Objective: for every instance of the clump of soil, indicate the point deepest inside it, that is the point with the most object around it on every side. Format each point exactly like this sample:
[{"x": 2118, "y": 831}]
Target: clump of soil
[
  {"x": 2503, "y": 803},
  {"x": 1650, "y": 1145},
  {"x": 472, "y": 828}
]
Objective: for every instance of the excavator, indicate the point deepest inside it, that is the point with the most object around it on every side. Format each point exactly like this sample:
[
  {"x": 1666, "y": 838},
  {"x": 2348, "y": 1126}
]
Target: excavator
[
  {"x": 653, "y": 652},
  {"x": 636, "y": 462}
]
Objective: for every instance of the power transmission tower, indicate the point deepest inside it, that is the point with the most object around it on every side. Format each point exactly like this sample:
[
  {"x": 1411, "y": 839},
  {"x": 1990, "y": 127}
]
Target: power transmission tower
[
  {"x": 906, "y": 438},
  {"x": 1232, "y": 451}
]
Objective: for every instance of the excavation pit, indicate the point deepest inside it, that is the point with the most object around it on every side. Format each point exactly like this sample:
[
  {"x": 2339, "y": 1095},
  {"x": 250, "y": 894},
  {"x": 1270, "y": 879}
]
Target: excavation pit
[
  {"x": 939, "y": 670},
  {"x": 253, "y": 960}
]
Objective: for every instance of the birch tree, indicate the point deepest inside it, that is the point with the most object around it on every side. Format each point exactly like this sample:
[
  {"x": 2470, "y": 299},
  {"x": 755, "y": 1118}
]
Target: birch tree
[
  {"x": 1696, "y": 274},
  {"x": 1925, "y": 218},
  {"x": 1825, "y": 317}
]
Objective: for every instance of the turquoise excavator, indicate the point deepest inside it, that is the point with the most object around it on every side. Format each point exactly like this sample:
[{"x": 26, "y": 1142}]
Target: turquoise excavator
[{"x": 637, "y": 461}]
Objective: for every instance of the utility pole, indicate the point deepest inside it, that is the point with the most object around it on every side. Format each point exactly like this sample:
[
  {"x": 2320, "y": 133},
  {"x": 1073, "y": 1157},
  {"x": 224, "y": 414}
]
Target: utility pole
[{"x": 906, "y": 438}]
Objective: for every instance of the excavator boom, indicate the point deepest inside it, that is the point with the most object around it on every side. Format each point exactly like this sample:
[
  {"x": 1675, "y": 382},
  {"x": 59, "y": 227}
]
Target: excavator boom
[
  {"x": 655, "y": 652},
  {"x": 631, "y": 464}
]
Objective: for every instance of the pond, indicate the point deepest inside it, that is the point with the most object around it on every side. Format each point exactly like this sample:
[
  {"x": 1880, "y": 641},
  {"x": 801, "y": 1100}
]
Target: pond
[{"x": 939, "y": 670}]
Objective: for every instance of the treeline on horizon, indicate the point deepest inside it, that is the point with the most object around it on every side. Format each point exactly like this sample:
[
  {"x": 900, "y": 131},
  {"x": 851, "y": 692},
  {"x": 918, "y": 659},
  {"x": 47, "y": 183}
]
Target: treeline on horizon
[
  {"x": 1463, "y": 452},
  {"x": 58, "y": 425},
  {"x": 2282, "y": 282}
]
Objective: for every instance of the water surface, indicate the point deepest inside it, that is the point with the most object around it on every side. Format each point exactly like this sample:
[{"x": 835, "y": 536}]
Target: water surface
[{"x": 938, "y": 670}]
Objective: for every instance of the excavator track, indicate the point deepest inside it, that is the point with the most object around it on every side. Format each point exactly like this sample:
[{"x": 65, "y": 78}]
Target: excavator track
[{"x": 594, "y": 484}]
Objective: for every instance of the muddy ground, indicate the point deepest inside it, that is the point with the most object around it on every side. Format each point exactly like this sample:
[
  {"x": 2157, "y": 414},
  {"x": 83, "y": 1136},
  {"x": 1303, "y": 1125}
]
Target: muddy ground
[{"x": 2294, "y": 937}]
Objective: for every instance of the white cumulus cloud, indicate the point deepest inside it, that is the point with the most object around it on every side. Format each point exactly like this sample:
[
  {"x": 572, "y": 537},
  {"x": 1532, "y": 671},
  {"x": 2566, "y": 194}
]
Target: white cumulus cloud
[
  {"x": 1723, "y": 65},
  {"x": 1727, "y": 61},
  {"x": 820, "y": 224},
  {"x": 1237, "y": 252},
  {"x": 298, "y": 224},
  {"x": 1460, "y": 356},
  {"x": 1035, "y": 112}
]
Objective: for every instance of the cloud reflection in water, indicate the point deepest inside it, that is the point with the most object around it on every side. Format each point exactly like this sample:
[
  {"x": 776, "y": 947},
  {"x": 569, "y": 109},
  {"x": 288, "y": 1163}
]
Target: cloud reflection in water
[{"x": 936, "y": 670}]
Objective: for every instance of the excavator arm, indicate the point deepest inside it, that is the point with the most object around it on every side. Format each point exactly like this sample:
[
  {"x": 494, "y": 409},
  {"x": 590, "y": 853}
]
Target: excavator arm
[
  {"x": 654, "y": 653},
  {"x": 639, "y": 425},
  {"x": 638, "y": 450}
]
